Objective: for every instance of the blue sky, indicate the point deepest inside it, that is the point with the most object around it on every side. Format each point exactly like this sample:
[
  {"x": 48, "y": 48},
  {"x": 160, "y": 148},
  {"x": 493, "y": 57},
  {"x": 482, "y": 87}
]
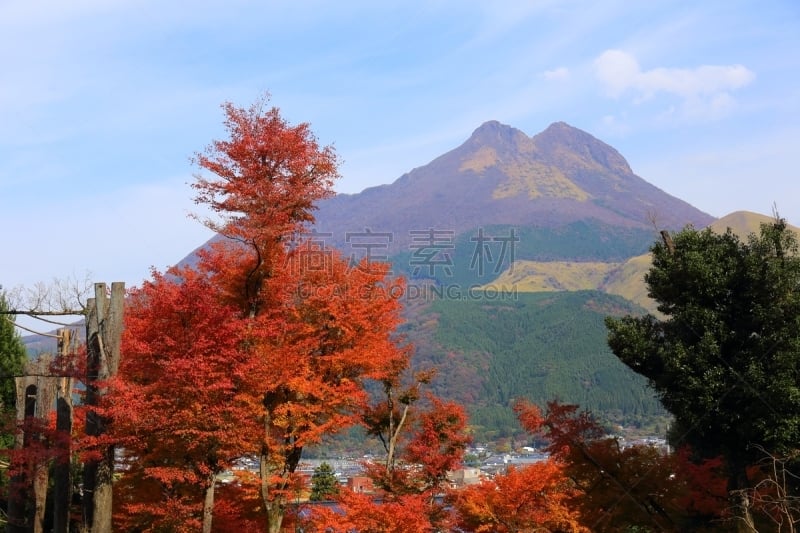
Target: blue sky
[{"x": 102, "y": 103}]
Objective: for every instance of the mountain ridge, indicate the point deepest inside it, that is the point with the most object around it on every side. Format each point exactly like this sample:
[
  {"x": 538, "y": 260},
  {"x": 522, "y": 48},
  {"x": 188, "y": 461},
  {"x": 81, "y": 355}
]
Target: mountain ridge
[{"x": 499, "y": 175}]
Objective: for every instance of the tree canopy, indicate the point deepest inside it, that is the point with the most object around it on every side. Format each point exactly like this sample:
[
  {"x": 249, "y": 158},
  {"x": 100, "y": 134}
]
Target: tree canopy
[
  {"x": 12, "y": 356},
  {"x": 263, "y": 347},
  {"x": 12, "y": 361},
  {"x": 725, "y": 355},
  {"x": 324, "y": 484}
]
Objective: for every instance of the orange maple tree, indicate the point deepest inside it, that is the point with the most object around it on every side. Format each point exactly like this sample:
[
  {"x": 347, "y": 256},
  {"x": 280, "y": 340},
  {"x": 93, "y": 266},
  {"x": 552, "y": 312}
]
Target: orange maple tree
[
  {"x": 535, "y": 497},
  {"x": 406, "y": 513},
  {"x": 317, "y": 325},
  {"x": 259, "y": 349},
  {"x": 422, "y": 444}
]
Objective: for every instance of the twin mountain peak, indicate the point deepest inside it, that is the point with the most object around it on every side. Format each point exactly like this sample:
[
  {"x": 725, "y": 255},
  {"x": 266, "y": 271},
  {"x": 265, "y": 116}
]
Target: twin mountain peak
[
  {"x": 501, "y": 176},
  {"x": 583, "y": 218}
]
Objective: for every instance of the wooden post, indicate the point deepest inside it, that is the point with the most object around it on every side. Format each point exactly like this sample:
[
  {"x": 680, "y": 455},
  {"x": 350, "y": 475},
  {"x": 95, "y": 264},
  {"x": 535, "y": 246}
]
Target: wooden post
[
  {"x": 28, "y": 491},
  {"x": 667, "y": 238},
  {"x": 103, "y": 337},
  {"x": 45, "y": 398},
  {"x": 62, "y": 489},
  {"x": 20, "y": 490}
]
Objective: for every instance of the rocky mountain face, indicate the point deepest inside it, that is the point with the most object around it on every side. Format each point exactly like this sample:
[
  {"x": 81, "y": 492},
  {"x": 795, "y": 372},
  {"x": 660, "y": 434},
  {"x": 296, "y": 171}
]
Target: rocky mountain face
[{"x": 500, "y": 176}]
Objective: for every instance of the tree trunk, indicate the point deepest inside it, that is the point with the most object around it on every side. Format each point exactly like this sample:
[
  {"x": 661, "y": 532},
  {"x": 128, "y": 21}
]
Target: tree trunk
[
  {"x": 41, "y": 477},
  {"x": 20, "y": 493},
  {"x": 62, "y": 489},
  {"x": 17, "y": 500},
  {"x": 208, "y": 504},
  {"x": 45, "y": 396},
  {"x": 100, "y": 499},
  {"x": 275, "y": 515},
  {"x": 62, "y": 486},
  {"x": 738, "y": 486},
  {"x": 103, "y": 336},
  {"x": 273, "y": 504},
  {"x": 275, "y": 501}
]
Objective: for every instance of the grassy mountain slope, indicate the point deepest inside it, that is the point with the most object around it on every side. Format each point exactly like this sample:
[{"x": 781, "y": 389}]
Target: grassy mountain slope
[
  {"x": 624, "y": 278},
  {"x": 743, "y": 223},
  {"x": 536, "y": 276},
  {"x": 628, "y": 281},
  {"x": 473, "y": 261}
]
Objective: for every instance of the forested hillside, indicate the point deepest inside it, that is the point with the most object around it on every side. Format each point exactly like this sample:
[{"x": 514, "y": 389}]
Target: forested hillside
[{"x": 540, "y": 346}]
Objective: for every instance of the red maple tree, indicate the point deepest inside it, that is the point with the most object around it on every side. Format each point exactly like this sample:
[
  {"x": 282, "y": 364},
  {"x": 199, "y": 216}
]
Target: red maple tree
[
  {"x": 535, "y": 497},
  {"x": 261, "y": 348},
  {"x": 618, "y": 486},
  {"x": 315, "y": 330},
  {"x": 176, "y": 404},
  {"x": 422, "y": 444}
]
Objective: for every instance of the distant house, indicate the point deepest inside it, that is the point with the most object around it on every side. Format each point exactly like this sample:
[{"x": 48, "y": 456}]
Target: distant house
[
  {"x": 464, "y": 477},
  {"x": 361, "y": 484}
]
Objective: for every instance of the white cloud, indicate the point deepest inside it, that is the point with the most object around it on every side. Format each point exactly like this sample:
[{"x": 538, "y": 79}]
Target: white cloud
[
  {"x": 617, "y": 70},
  {"x": 558, "y": 74},
  {"x": 704, "y": 89}
]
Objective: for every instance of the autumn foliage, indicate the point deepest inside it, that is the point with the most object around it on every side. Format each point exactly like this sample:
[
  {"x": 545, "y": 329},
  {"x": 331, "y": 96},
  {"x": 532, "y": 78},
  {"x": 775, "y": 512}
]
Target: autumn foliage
[
  {"x": 261, "y": 349},
  {"x": 617, "y": 487},
  {"x": 407, "y": 513},
  {"x": 271, "y": 342},
  {"x": 530, "y": 498},
  {"x": 431, "y": 440},
  {"x": 177, "y": 404}
]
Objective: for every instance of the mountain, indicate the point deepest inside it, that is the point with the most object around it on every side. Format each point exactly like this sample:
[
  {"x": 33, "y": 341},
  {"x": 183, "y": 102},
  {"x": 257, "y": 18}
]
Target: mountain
[
  {"x": 516, "y": 247},
  {"x": 575, "y": 218},
  {"x": 743, "y": 223},
  {"x": 502, "y": 177}
]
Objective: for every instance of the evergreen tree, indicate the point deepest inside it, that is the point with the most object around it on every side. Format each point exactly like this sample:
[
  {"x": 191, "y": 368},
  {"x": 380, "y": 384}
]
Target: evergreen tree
[
  {"x": 324, "y": 484},
  {"x": 12, "y": 361},
  {"x": 725, "y": 359}
]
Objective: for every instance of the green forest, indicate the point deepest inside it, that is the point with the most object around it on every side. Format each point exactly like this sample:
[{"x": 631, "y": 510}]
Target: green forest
[{"x": 539, "y": 346}]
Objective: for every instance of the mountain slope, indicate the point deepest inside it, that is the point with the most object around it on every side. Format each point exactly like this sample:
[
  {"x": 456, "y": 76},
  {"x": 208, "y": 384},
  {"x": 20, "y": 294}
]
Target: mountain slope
[
  {"x": 624, "y": 279},
  {"x": 500, "y": 176},
  {"x": 743, "y": 223},
  {"x": 539, "y": 346}
]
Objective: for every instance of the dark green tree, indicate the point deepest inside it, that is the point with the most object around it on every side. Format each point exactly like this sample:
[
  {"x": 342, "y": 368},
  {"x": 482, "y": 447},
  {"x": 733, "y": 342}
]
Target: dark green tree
[
  {"x": 12, "y": 360},
  {"x": 324, "y": 484},
  {"x": 725, "y": 357}
]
